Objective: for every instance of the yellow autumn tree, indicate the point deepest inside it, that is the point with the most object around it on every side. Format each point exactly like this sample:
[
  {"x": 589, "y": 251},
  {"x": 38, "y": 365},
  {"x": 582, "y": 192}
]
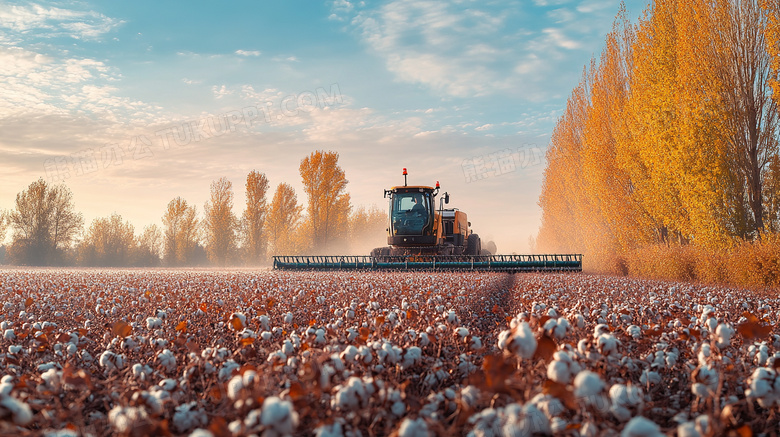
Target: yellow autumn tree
[
  {"x": 328, "y": 204},
  {"x": 109, "y": 241},
  {"x": 180, "y": 232},
  {"x": 563, "y": 200},
  {"x": 253, "y": 220},
  {"x": 772, "y": 8},
  {"x": 651, "y": 156},
  {"x": 623, "y": 224},
  {"x": 220, "y": 223},
  {"x": 283, "y": 222}
]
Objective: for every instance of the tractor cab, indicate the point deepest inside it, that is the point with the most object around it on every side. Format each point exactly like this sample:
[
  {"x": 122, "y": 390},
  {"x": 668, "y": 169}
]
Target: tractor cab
[{"x": 412, "y": 215}]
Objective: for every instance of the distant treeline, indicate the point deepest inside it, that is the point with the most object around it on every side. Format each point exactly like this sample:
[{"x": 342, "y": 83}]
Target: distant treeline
[
  {"x": 46, "y": 228},
  {"x": 671, "y": 140}
]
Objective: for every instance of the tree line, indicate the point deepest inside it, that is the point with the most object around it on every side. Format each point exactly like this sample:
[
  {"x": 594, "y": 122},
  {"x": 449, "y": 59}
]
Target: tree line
[
  {"x": 671, "y": 137},
  {"x": 46, "y": 228}
]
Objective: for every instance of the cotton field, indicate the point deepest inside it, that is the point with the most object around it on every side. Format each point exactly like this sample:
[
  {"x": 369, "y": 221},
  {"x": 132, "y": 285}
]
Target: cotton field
[{"x": 234, "y": 353}]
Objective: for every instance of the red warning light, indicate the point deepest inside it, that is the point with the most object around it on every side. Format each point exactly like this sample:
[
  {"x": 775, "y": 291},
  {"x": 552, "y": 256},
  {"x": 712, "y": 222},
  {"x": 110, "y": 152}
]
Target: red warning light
[
  {"x": 404, "y": 171},
  {"x": 437, "y": 184}
]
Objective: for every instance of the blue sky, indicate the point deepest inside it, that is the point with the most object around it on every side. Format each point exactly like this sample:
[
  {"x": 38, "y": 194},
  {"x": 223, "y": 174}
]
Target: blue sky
[{"x": 463, "y": 92}]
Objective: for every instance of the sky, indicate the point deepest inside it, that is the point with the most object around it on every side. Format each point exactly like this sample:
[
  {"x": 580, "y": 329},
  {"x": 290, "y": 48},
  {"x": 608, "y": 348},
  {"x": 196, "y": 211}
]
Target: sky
[{"x": 131, "y": 104}]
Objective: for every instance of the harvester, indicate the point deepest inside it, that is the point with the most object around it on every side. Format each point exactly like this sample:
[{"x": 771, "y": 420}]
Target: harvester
[{"x": 421, "y": 237}]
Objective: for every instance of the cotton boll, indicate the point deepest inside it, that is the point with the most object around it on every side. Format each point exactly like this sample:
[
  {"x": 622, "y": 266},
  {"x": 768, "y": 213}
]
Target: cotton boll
[
  {"x": 650, "y": 377},
  {"x": 167, "y": 360},
  {"x": 111, "y": 361},
  {"x": 126, "y": 419},
  {"x": 153, "y": 323},
  {"x": 589, "y": 387},
  {"x": 486, "y": 423},
  {"x": 723, "y": 335},
  {"x": 519, "y": 341},
  {"x": 187, "y": 416},
  {"x": 525, "y": 419},
  {"x": 413, "y": 428},
  {"x": 9, "y": 335},
  {"x": 641, "y": 427},
  {"x": 627, "y": 400},
  {"x": 424, "y": 340}
]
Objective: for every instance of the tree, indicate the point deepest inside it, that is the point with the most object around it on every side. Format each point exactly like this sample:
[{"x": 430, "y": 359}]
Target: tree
[
  {"x": 328, "y": 205},
  {"x": 367, "y": 229},
  {"x": 148, "y": 248},
  {"x": 220, "y": 222},
  {"x": 109, "y": 241},
  {"x": 254, "y": 239},
  {"x": 180, "y": 232},
  {"x": 3, "y": 225},
  {"x": 772, "y": 8},
  {"x": 44, "y": 223},
  {"x": 745, "y": 67},
  {"x": 283, "y": 221}
]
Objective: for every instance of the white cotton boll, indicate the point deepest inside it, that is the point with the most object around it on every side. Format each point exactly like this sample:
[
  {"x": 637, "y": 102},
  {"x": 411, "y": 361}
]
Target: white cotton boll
[
  {"x": 688, "y": 429},
  {"x": 266, "y": 335},
  {"x": 486, "y": 423},
  {"x": 51, "y": 380},
  {"x": 20, "y": 412},
  {"x": 600, "y": 330},
  {"x": 349, "y": 353},
  {"x": 634, "y": 331},
  {"x": 465, "y": 366},
  {"x": 187, "y": 416},
  {"x": 167, "y": 360},
  {"x": 559, "y": 371},
  {"x": 226, "y": 371},
  {"x": 413, "y": 428},
  {"x": 424, "y": 340},
  {"x": 461, "y": 332},
  {"x": 111, "y": 361},
  {"x": 153, "y": 323},
  {"x": 125, "y": 419},
  {"x": 519, "y": 341},
  {"x": 277, "y": 358},
  {"x": 625, "y": 400},
  {"x": 288, "y": 318},
  {"x": 526, "y": 419},
  {"x": 167, "y": 384},
  {"x": 704, "y": 354},
  {"x": 412, "y": 356},
  {"x": 234, "y": 387},
  {"x": 365, "y": 354},
  {"x": 451, "y": 317},
  {"x": 320, "y": 337},
  {"x": 764, "y": 386},
  {"x": 723, "y": 334},
  {"x": 705, "y": 381},
  {"x": 9, "y": 335},
  {"x": 650, "y": 377},
  {"x": 641, "y": 427},
  {"x": 141, "y": 372},
  {"x": 549, "y": 405},
  {"x": 588, "y": 385},
  {"x": 265, "y": 323},
  {"x": 607, "y": 344},
  {"x": 71, "y": 349}
]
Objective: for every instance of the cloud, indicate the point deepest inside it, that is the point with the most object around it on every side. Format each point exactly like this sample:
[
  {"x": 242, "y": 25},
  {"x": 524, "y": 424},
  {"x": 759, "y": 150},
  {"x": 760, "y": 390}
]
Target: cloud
[
  {"x": 50, "y": 21},
  {"x": 468, "y": 49},
  {"x": 248, "y": 53}
]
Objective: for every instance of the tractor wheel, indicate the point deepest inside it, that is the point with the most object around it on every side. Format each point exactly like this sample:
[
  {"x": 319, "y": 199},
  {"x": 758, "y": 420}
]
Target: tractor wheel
[{"x": 473, "y": 245}]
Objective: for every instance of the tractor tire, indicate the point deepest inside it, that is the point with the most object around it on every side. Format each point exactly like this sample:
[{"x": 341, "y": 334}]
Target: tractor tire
[{"x": 473, "y": 245}]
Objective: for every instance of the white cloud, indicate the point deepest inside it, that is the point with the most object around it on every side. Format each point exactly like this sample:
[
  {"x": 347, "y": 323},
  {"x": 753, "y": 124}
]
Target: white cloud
[
  {"x": 220, "y": 92},
  {"x": 53, "y": 21},
  {"x": 248, "y": 52}
]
